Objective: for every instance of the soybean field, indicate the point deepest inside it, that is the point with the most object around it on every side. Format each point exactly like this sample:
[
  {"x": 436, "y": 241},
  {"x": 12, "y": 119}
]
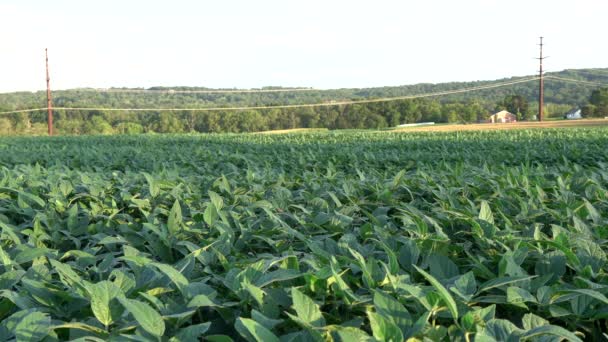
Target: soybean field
[{"x": 323, "y": 236}]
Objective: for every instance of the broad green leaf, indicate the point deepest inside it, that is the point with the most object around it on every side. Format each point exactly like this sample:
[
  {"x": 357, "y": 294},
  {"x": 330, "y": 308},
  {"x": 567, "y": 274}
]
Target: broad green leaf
[
  {"x": 498, "y": 330},
  {"x": 498, "y": 282},
  {"x": 210, "y": 214},
  {"x": 269, "y": 323},
  {"x": 83, "y": 327},
  {"x": 550, "y": 330},
  {"x": 443, "y": 292},
  {"x": 342, "y": 285},
  {"x": 33, "y": 327},
  {"x": 392, "y": 310},
  {"x": 31, "y": 198},
  {"x": 256, "y": 293},
  {"x": 176, "y": 277},
  {"x": 200, "y": 301},
  {"x": 254, "y": 331},
  {"x": 102, "y": 295},
  {"x": 591, "y": 293},
  {"x": 175, "y": 218},
  {"x": 383, "y": 328},
  {"x": 531, "y": 321},
  {"x": 516, "y": 295},
  {"x": 307, "y": 310},
  {"x": 350, "y": 334},
  {"x": 465, "y": 286},
  {"x": 148, "y": 318},
  {"x": 442, "y": 267},
  {"x": 217, "y": 200},
  {"x": 190, "y": 333},
  {"x": 277, "y": 276},
  {"x": 485, "y": 213}
]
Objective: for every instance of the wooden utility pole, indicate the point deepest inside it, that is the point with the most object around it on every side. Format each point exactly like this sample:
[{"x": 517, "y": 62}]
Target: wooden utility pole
[
  {"x": 49, "y": 101},
  {"x": 541, "y": 85}
]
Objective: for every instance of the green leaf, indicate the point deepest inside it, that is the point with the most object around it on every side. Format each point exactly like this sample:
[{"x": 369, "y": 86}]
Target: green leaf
[
  {"x": 443, "y": 293},
  {"x": 465, "y": 286},
  {"x": 498, "y": 282},
  {"x": 102, "y": 294},
  {"x": 148, "y": 318},
  {"x": 153, "y": 186},
  {"x": 591, "y": 293},
  {"x": 269, "y": 323},
  {"x": 485, "y": 213},
  {"x": 277, "y": 276},
  {"x": 442, "y": 267},
  {"x": 550, "y": 330},
  {"x": 254, "y": 331},
  {"x": 83, "y": 327},
  {"x": 393, "y": 310},
  {"x": 30, "y": 197},
  {"x": 210, "y": 214},
  {"x": 176, "y": 277},
  {"x": 201, "y": 301},
  {"x": 418, "y": 325},
  {"x": 384, "y": 329},
  {"x": 307, "y": 310},
  {"x": 347, "y": 292},
  {"x": 33, "y": 327},
  {"x": 191, "y": 333},
  {"x": 365, "y": 268},
  {"x": 175, "y": 218},
  {"x": 256, "y": 293},
  {"x": 30, "y": 254},
  {"x": 531, "y": 321},
  {"x": 350, "y": 334},
  {"x": 516, "y": 295},
  {"x": 217, "y": 200},
  {"x": 498, "y": 330}
]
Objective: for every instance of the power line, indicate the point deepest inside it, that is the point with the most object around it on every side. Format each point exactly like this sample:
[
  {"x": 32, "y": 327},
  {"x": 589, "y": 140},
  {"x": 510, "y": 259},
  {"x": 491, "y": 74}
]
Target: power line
[
  {"x": 576, "y": 81},
  {"x": 308, "y": 105},
  {"x": 24, "y": 111},
  {"x": 210, "y": 91},
  {"x": 594, "y": 72},
  {"x": 177, "y": 91}
]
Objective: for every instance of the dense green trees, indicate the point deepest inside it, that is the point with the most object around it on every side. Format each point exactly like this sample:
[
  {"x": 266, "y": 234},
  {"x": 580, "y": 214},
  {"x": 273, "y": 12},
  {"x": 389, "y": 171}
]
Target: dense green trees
[
  {"x": 598, "y": 104},
  {"x": 463, "y": 107},
  {"x": 517, "y": 105}
]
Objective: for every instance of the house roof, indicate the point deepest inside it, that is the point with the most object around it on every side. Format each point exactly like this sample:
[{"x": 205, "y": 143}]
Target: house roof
[{"x": 573, "y": 111}]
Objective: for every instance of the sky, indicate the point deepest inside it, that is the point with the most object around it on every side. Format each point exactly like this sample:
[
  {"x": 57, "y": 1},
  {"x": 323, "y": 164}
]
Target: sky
[{"x": 313, "y": 43}]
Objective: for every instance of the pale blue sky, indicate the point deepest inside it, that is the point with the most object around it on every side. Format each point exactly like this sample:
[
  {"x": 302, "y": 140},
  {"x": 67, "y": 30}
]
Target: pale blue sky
[{"x": 312, "y": 43}]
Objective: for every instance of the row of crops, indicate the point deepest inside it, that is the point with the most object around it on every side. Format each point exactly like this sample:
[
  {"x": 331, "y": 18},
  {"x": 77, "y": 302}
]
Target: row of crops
[{"x": 476, "y": 236}]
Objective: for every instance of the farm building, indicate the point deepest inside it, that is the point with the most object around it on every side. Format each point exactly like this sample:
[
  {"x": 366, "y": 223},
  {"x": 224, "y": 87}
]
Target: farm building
[
  {"x": 574, "y": 114},
  {"x": 503, "y": 117}
]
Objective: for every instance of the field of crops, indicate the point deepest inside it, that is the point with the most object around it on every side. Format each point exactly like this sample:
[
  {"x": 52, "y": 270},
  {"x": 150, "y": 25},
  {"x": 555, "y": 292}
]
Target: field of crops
[{"x": 353, "y": 236}]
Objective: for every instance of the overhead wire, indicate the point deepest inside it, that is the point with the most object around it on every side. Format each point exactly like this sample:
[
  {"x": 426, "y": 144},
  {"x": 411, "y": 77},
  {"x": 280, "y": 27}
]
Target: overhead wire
[
  {"x": 23, "y": 111},
  {"x": 289, "y": 106},
  {"x": 201, "y": 91},
  {"x": 564, "y": 79}
]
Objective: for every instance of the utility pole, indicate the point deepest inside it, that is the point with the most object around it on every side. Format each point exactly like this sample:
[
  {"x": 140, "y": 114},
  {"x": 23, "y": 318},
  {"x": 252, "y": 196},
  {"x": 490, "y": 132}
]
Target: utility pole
[
  {"x": 49, "y": 102},
  {"x": 541, "y": 85}
]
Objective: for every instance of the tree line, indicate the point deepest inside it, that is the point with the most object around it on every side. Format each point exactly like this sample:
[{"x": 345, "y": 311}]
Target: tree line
[{"x": 457, "y": 108}]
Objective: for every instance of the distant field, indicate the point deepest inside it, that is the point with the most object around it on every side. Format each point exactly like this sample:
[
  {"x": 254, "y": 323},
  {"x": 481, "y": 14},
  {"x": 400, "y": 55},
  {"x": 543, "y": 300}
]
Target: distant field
[
  {"x": 293, "y": 130},
  {"x": 502, "y": 126}
]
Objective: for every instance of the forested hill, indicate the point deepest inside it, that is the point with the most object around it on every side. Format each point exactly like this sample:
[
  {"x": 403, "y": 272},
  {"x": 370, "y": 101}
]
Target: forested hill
[
  {"x": 556, "y": 91},
  {"x": 560, "y": 96}
]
